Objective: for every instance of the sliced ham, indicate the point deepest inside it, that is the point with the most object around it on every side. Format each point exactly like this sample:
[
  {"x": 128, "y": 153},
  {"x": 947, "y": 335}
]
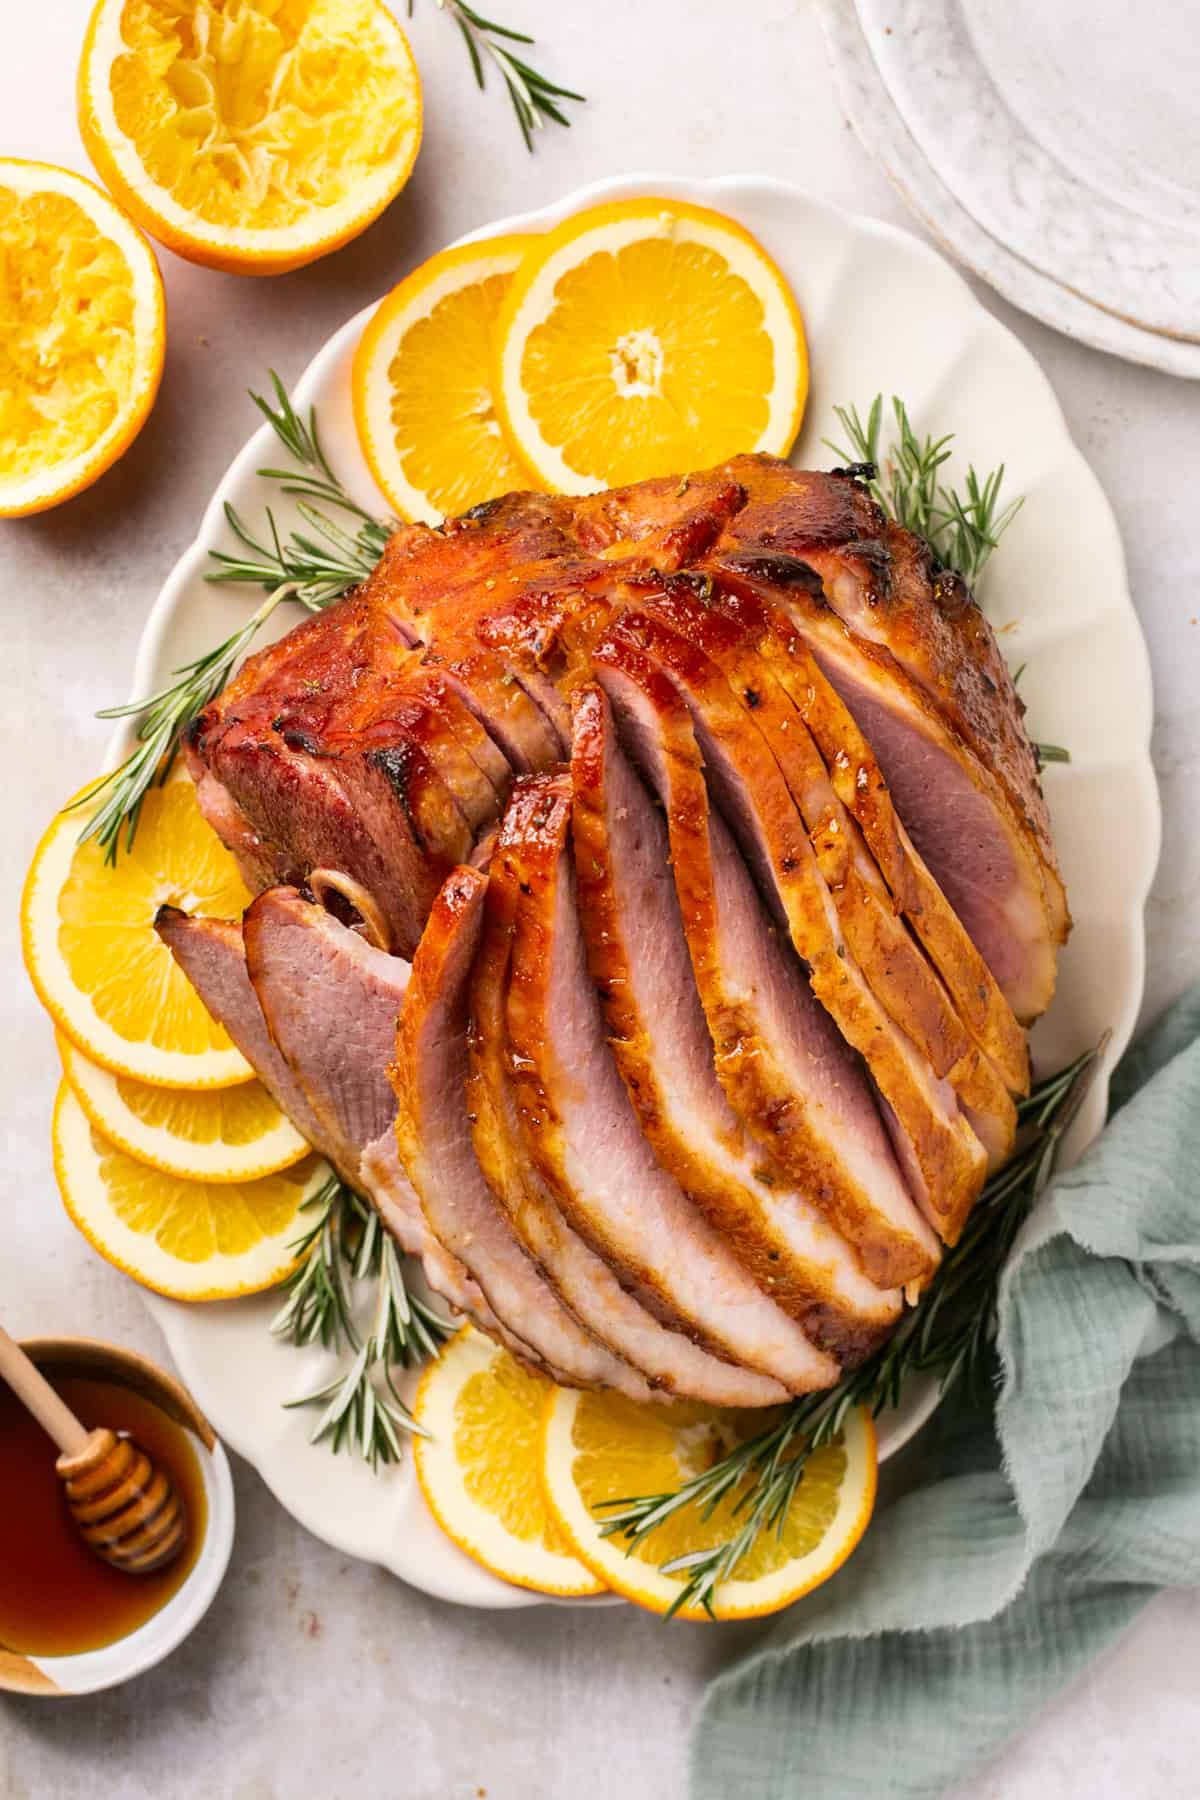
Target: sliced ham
[
  {"x": 584, "y": 1281},
  {"x": 787, "y": 1072},
  {"x": 211, "y": 953},
  {"x": 970, "y": 835},
  {"x": 638, "y": 955},
  {"x": 869, "y": 899},
  {"x": 903, "y": 980},
  {"x": 436, "y": 1149},
  {"x": 860, "y": 787},
  {"x": 943, "y": 1159},
  {"x": 883, "y": 583},
  {"x": 583, "y": 1135}
]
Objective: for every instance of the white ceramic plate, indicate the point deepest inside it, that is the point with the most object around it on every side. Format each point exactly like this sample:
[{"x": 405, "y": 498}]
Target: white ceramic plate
[
  {"x": 995, "y": 119},
  {"x": 883, "y": 312}
]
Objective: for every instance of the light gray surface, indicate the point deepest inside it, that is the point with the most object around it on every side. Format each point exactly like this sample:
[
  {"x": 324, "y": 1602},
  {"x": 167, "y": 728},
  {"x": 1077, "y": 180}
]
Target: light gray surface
[{"x": 312, "y": 1675}]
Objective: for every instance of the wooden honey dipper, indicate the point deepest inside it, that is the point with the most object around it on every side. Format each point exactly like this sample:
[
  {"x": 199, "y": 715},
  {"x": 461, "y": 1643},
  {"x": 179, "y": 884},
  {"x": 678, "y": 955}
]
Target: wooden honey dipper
[{"x": 125, "y": 1509}]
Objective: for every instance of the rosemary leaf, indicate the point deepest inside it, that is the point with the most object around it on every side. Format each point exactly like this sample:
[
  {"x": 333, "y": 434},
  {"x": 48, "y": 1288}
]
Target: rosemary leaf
[
  {"x": 962, "y": 528},
  {"x": 312, "y": 570},
  {"x": 950, "y": 1332},
  {"x": 162, "y": 719},
  {"x": 531, "y": 94},
  {"x": 345, "y": 1243}
]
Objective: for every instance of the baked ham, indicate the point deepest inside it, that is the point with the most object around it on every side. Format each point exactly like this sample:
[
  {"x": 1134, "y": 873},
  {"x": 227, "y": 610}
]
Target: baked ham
[
  {"x": 212, "y": 954},
  {"x": 707, "y": 814}
]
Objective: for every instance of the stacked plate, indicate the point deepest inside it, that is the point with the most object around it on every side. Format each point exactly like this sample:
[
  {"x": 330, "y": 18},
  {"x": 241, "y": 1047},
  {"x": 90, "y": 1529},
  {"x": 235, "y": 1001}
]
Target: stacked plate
[{"x": 1054, "y": 149}]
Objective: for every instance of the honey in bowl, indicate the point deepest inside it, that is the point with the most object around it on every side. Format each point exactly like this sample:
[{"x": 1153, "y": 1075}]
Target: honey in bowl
[{"x": 57, "y": 1598}]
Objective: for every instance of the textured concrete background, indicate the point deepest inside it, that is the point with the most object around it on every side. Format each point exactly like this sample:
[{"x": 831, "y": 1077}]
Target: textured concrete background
[{"x": 312, "y": 1674}]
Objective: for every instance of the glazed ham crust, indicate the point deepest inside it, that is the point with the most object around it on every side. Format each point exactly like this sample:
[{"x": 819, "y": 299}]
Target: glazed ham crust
[{"x": 710, "y": 801}]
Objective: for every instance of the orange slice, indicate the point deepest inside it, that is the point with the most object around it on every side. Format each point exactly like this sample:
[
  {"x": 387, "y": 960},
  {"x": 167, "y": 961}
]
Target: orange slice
[
  {"x": 647, "y": 337},
  {"x": 422, "y": 383},
  {"x": 598, "y": 1447},
  {"x": 216, "y": 1134},
  {"x": 478, "y": 1465},
  {"x": 248, "y": 135},
  {"x": 192, "y": 1240},
  {"x": 81, "y": 351},
  {"x": 87, "y": 931}
]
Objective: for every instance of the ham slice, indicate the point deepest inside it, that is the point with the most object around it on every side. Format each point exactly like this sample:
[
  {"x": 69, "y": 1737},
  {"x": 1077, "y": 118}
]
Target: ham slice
[
  {"x": 582, "y": 1133},
  {"x": 858, "y": 782},
  {"x": 637, "y": 951},
  {"x": 884, "y": 585},
  {"x": 902, "y": 979},
  {"x": 211, "y": 953},
  {"x": 584, "y": 1281},
  {"x": 436, "y": 1150},
  {"x": 786, "y": 1071},
  {"x": 969, "y": 831},
  {"x": 943, "y": 1159}
]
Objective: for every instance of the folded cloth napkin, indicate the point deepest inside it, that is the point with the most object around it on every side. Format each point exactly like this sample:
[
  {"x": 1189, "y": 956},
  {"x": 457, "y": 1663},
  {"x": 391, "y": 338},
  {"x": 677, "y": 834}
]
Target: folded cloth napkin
[{"x": 1038, "y": 1530}]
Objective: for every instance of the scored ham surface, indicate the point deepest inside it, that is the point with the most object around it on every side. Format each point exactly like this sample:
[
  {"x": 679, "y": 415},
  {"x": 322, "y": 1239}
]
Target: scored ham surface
[{"x": 722, "y": 1048}]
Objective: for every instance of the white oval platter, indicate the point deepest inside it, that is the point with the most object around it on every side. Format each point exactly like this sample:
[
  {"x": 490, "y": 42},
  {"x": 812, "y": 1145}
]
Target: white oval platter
[
  {"x": 883, "y": 312},
  {"x": 991, "y": 121}
]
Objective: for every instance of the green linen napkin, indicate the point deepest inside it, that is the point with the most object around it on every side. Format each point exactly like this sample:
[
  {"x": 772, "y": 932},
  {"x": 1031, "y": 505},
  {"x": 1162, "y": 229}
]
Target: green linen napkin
[{"x": 1040, "y": 1529}]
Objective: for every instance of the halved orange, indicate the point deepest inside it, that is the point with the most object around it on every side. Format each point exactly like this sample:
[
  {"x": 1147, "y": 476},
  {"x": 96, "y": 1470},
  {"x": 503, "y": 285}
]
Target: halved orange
[
  {"x": 249, "y": 135},
  {"x": 81, "y": 351}
]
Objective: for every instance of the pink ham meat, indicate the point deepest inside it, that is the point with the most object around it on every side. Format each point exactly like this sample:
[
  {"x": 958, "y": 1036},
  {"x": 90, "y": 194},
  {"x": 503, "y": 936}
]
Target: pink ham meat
[
  {"x": 943, "y": 1160},
  {"x": 765, "y": 635},
  {"x": 637, "y": 951},
  {"x": 787, "y": 1073},
  {"x": 436, "y": 1150},
  {"x": 583, "y": 1135},
  {"x": 885, "y": 585},
  {"x": 584, "y": 1281},
  {"x": 972, "y": 833},
  {"x": 902, "y": 979},
  {"x": 211, "y": 953}
]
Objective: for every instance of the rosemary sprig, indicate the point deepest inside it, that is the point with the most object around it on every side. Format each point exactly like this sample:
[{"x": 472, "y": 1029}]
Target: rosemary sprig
[
  {"x": 311, "y": 569},
  {"x": 346, "y": 1243},
  {"x": 534, "y": 97},
  {"x": 950, "y": 1332},
  {"x": 317, "y": 569},
  {"x": 162, "y": 721},
  {"x": 961, "y": 528}
]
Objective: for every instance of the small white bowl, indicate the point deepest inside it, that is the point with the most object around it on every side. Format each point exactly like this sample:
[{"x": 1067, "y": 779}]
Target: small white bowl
[{"x": 56, "y": 1677}]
